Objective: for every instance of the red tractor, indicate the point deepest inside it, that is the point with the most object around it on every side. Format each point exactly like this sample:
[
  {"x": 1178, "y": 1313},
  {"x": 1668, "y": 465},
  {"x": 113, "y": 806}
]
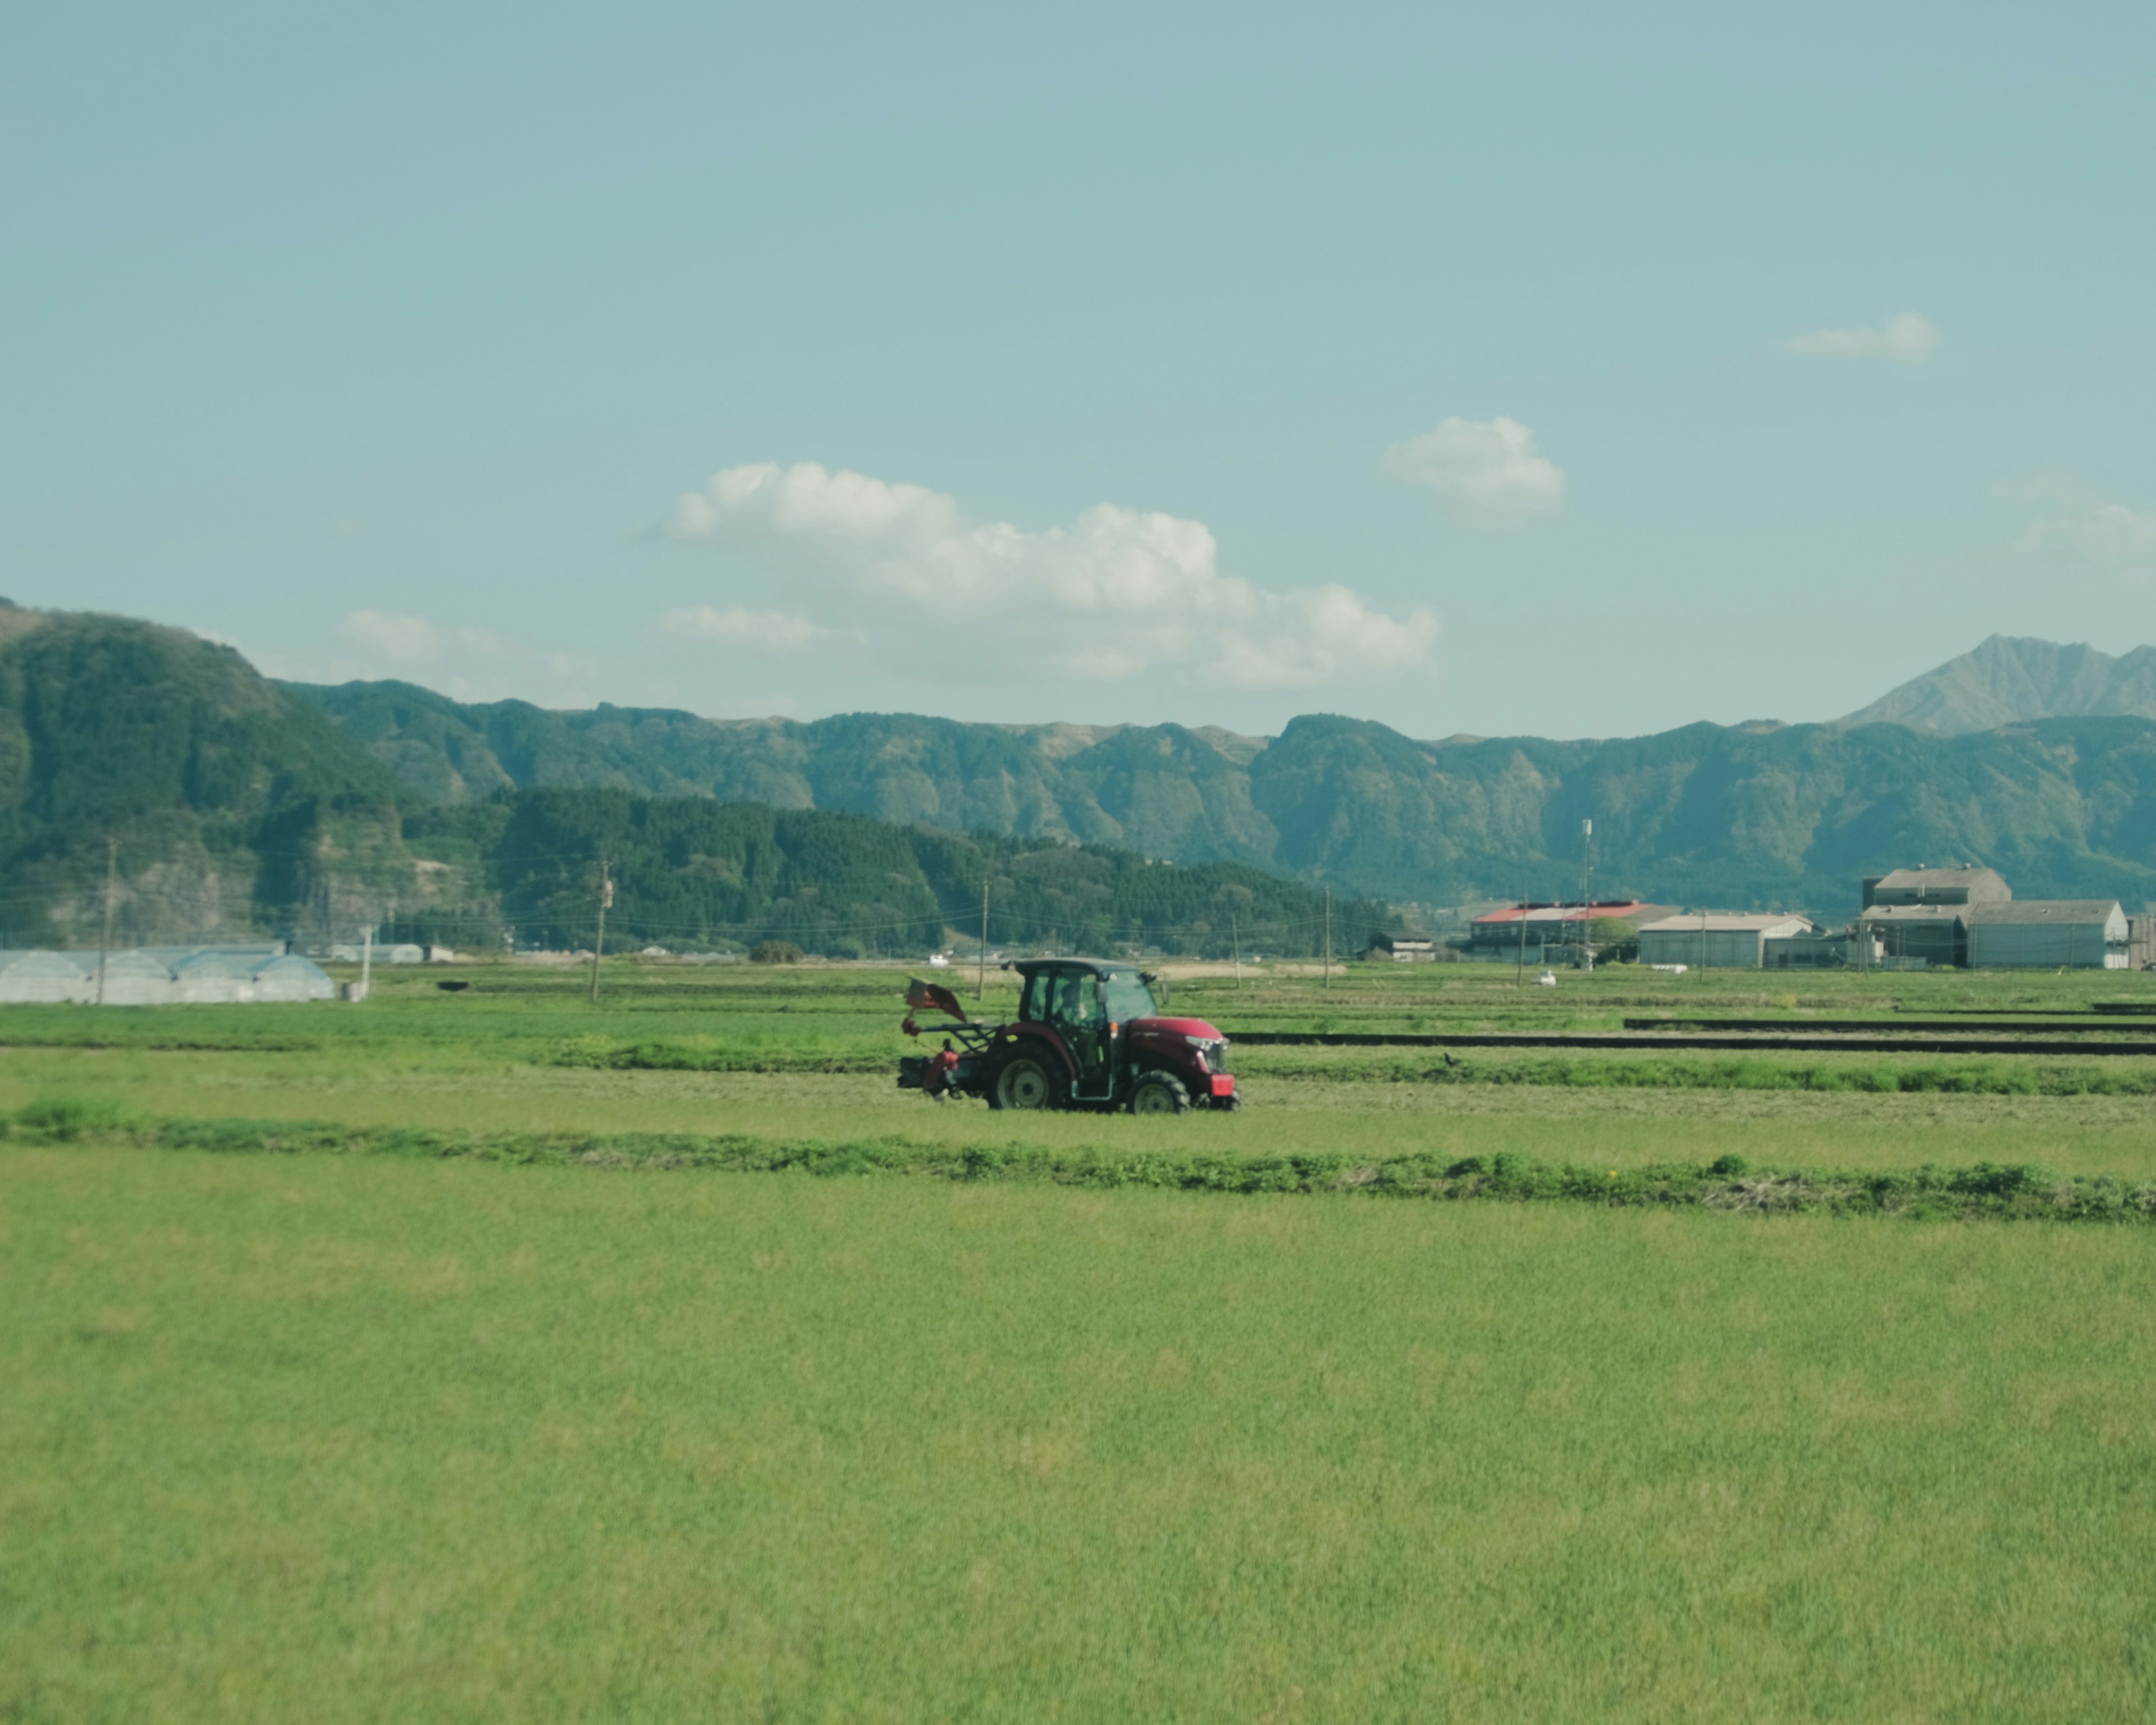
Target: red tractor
[{"x": 1088, "y": 1034}]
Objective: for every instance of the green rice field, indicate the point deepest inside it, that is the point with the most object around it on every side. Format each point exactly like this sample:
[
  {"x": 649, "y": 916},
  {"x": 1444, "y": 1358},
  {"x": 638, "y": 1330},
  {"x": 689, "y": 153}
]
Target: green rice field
[{"x": 305, "y": 1419}]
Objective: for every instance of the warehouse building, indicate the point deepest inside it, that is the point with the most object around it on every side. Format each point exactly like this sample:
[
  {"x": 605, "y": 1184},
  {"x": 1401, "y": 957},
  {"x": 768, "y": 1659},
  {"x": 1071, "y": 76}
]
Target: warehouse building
[
  {"x": 1914, "y": 936},
  {"x": 1820, "y": 950},
  {"x": 1540, "y": 928},
  {"x": 1716, "y": 940},
  {"x": 2048, "y": 934}
]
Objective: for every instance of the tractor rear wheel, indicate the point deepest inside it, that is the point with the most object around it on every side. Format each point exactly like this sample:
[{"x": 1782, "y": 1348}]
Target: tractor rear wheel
[
  {"x": 1160, "y": 1093},
  {"x": 1025, "y": 1080}
]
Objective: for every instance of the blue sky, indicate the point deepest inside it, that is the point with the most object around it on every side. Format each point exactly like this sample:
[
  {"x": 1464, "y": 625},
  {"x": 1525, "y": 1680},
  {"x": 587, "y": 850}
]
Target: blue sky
[{"x": 1583, "y": 371}]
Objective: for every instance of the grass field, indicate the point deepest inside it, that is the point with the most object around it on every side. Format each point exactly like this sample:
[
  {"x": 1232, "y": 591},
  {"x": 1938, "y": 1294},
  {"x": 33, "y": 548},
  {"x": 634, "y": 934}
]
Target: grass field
[{"x": 371, "y": 1437}]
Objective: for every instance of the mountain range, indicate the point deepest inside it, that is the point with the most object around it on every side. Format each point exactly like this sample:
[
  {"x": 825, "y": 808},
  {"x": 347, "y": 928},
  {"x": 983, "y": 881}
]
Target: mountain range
[
  {"x": 2060, "y": 797},
  {"x": 250, "y": 799}
]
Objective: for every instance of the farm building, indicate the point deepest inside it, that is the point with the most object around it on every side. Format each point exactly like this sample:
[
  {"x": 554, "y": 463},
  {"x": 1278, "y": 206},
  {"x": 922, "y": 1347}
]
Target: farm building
[
  {"x": 2048, "y": 934},
  {"x": 1816, "y": 951},
  {"x": 1936, "y": 886},
  {"x": 1716, "y": 940},
  {"x": 163, "y": 976},
  {"x": 1403, "y": 949},
  {"x": 1498, "y": 934},
  {"x": 1933, "y": 933}
]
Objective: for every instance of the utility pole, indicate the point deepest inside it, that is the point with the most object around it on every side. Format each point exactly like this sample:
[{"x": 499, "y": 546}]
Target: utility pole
[
  {"x": 981, "y": 976},
  {"x": 111, "y": 892},
  {"x": 366, "y": 960},
  {"x": 1702, "y": 946},
  {"x": 1520, "y": 968},
  {"x": 598, "y": 945},
  {"x": 1328, "y": 936},
  {"x": 1586, "y": 892},
  {"x": 1235, "y": 943}
]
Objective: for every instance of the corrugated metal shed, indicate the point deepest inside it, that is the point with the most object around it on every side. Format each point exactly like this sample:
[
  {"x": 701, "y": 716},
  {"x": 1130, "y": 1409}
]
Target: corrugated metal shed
[
  {"x": 1938, "y": 933},
  {"x": 2048, "y": 934},
  {"x": 1718, "y": 940}
]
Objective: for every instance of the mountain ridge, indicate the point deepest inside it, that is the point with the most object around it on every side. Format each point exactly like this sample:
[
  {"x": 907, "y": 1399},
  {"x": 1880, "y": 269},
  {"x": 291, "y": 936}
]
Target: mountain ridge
[
  {"x": 1760, "y": 814},
  {"x": 2008, "y": 680}
]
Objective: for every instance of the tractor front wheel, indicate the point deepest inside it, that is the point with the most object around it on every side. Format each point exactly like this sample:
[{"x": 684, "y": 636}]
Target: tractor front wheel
[
  {"x": 1160, "y": 1093},
  {"x": 1024, "y": 1080}
]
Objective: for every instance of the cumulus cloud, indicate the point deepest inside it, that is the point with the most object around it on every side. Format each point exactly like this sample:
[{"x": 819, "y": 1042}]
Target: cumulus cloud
[
  {"x": 769, "y": 631},
  {"x": 1119, "y": 593},
  {"x": 1908, "y": 339},
  {"x": 1488, "y": 467}
]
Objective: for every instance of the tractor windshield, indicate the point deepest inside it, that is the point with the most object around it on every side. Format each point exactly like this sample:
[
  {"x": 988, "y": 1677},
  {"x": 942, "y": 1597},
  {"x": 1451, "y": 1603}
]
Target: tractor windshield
[{"x": 1128, "y": 997}]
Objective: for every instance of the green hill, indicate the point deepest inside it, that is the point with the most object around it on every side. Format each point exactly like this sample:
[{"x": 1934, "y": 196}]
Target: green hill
[
  {"x": 230, "y": 803},
  {"x": 693, "y": 874},
  {"x": 1752, "y": 815}
]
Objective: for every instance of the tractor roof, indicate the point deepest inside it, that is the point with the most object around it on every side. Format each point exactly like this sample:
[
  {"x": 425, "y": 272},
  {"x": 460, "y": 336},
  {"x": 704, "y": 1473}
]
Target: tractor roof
[{"x": 1099, "y": 967}]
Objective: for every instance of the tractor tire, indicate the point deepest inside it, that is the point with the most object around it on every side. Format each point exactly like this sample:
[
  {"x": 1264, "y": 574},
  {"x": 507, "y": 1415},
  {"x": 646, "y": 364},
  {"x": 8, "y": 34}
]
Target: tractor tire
[
  {"x": 1160, "y": 1093},
  {"x": 1232, "y": 1103},
  {"x": 1026, "y": 1078}
]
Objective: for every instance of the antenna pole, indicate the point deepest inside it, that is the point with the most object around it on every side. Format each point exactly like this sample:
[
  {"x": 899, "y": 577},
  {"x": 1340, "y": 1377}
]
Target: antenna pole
[
  {"x": 1328, "y": 936},
  {"x": 598, "y": 944},
  {"x": 112, "y": 892},
  {"x": 1586, "y": 891}
]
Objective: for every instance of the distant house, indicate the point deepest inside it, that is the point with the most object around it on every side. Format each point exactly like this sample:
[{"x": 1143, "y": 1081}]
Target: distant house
[
  {"x": 2048, "y": 934},
  {"x": 1716, "y": 940},
  {"x": 1402, "y": 949}
]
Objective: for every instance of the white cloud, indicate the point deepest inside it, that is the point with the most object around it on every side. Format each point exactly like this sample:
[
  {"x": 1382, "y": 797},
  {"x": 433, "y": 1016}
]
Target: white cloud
[
  {"x": 770, "y": 631},
  {"x": 401, "y": 641},
  {"x": 2109, "y": 532},
  {"x": 1487, "y": 466},
  {"x": 1908, "y": 339},
  {"x": 2081, "y": 524},
  {"x": 1119, "y": 593}
]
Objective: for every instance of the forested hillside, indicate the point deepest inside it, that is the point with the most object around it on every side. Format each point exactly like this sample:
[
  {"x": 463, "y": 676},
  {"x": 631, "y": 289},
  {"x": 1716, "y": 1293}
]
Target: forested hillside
[
  {"x": 226, "y": 802},
  {"x": 1738, "y": 816},
  {"x": 691, "y": 873}
]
